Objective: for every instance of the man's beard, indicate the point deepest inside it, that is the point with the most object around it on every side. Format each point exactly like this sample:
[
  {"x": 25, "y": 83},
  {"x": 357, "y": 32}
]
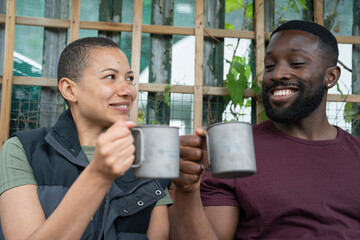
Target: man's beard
[{"x": 302, "y": 107}]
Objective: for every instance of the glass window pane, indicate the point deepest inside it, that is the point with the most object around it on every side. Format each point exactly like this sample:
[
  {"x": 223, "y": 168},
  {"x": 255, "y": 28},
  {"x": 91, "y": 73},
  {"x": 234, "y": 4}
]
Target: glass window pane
[
  {"x": 181, "y": 111},
  {"x": 239, "y": 15},
  {"x": 338, "y": 16},
  {"x": 89, "y": 10},
  {"x": 183, "y": 60},
  {"x": 30, "y": 8},
  {"x": 288, "y": 10},
  {"x": 184, "y": 13}
]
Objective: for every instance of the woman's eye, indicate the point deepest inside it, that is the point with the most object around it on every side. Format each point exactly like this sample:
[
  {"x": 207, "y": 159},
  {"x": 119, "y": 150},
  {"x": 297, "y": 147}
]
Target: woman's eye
[
  {"x": 112, "y": 76},
  {"x": 130, "y": 78}
]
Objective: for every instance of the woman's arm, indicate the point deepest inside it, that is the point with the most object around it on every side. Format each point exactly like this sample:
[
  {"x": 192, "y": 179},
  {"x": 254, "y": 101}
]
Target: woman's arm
[
  {"x": 22, "y": 216},
  {"x": 159, "y": 224}
]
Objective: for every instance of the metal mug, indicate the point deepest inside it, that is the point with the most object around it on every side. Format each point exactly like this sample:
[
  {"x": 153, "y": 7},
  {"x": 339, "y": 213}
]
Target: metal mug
[
  {"x": 157, "y": 151},
  {"x": 230, "y": 147}
]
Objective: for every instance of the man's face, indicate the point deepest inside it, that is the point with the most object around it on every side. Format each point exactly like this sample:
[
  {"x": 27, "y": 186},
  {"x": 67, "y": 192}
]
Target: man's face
[{"x": 293, "y": 83}]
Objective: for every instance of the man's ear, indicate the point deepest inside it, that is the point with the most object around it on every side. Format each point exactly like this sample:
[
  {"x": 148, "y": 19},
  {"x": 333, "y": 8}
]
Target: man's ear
[
  {"x": 332, "y": 76},
  {"x": 68, "y": 89}
]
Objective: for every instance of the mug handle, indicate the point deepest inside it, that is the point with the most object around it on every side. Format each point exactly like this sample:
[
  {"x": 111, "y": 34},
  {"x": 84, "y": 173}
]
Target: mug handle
[
  {"x": 142, "y": 155},
  {"x": 208, "y": 153}
]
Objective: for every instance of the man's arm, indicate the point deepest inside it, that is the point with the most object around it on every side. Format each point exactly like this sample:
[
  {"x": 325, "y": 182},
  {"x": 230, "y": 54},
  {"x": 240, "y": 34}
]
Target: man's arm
[{"x": 189, "y": 219}]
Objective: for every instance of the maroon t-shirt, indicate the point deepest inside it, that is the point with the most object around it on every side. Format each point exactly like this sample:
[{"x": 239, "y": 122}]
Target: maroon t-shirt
[{"x": 302, "y": 189}]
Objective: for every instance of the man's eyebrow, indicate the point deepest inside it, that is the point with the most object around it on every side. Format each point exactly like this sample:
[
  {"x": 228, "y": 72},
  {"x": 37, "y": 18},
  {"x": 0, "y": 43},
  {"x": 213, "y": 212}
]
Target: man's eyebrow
[
  {"x": 295, "y": 50},
  {"x": 109, "y": 69}
]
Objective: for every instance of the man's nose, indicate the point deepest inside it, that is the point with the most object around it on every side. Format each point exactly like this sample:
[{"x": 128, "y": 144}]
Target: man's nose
[{"x": 282, "y": 72}]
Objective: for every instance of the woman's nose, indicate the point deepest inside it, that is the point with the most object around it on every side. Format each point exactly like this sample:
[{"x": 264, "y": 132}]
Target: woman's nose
[{"x": 126, "y": 88}]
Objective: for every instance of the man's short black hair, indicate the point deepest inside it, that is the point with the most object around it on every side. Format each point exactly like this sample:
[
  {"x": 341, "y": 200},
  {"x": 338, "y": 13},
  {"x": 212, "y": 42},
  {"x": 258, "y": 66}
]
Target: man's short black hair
[
  {"x": 327, "y": 41},
  {"x": 74, "y": 58}
]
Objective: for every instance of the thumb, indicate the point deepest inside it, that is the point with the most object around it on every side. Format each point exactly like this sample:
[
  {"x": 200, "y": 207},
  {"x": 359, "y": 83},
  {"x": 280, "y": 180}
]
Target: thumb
[{"x": 129, "y": 124}]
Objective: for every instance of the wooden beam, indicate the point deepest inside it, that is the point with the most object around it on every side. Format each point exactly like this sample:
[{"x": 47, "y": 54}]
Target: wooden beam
[
  {"x": 170, "y": 30},
  {"x": 43, "y": 22},
  {"x": 8, "y": 71},
  {"x": 106, "y": 26},
  {"x": 222, "y": 33},
  {"x": 199, "y": 61},
  {"x": 348, "y": 39},
  {"x": 344, "y": 98},
  {"x": 136, "y": 54},
  {"x": 35, "y": 81},
  {"x": 75, "y": 20}
]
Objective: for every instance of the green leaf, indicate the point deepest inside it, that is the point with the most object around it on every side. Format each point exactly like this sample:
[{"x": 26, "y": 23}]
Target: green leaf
[
  {"x": 233, "y": 5},
  {"x": 249, "y": 11},
  {"x": 302, "y": 4},
  {"x": 264, "y": 117},
  {"x": 339, "y": 90},
  {"x": 229, "y": 26},
  {"x": 236, "y": 91},
  {"x": 248, "y": 103},
  {"x": 349, "y": 112},
  {"x": 167, "y": 95}
]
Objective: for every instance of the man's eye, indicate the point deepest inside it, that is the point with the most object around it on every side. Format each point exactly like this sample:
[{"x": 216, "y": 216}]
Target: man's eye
[
  {"x": 130, "y": 78},
  {"x": 297, "y": 64},
  {"x": 269, "y": 67},
  {"x": 112, "y": 76}
]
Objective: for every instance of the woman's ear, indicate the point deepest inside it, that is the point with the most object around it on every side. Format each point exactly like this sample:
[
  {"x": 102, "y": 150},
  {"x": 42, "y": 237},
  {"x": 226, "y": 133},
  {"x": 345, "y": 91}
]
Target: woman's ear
[
  {"x": 332, "y": 76},
  {"x": 68, "y": 89}
]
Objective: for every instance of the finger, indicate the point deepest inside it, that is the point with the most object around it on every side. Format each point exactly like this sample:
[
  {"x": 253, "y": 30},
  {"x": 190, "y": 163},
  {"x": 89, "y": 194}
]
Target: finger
[
  {"x": 116, "y": 131},
  {"x": 186, "y": 179},
  {"x": 190, "y": 167},
  {"x": 190, "y": 140},
  {"x": 191, "y": 153},
  {"x": 200, "y": 131}
]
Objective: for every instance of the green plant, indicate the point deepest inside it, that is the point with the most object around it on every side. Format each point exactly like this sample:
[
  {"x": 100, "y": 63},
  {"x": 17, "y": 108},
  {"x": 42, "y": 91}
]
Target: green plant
[{"x": 158, "y": 99}]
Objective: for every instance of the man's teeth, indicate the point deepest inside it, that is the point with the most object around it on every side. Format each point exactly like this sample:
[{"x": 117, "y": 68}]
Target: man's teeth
[{"x": 282, "y": 92}]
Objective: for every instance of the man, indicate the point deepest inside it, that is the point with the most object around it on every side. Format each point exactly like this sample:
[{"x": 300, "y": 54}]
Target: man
[
  {"x": 48, "y": 188},
  {"x": 306, "y": 185}
]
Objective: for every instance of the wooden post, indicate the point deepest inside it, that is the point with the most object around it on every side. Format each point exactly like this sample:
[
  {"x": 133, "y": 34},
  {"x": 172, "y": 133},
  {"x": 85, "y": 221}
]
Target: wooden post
[
  {"x": 136, "y": 54},
  {"x": 260, "y": 50},
  {"x": 2, "y": 38},
  {"x": 319, "y": 11},
  {"x": 199, "y": 58},
  {"x": 8, "y": 70},
  {"x": 75, "y": 20}
]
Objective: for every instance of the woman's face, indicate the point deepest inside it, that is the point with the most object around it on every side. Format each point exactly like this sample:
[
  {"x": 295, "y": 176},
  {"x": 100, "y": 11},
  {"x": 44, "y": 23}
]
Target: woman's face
[{"x": 105, "y": 92}]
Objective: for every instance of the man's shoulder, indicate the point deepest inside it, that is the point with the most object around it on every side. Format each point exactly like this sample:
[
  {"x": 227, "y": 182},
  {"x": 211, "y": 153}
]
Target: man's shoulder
[
  {"x": 348, "y": 136},
  {"x": 266, "y": 125}
]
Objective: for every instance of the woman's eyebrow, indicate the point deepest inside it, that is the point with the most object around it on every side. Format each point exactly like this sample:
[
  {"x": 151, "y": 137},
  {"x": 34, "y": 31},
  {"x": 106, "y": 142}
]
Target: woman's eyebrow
[{"x": 109, "y": 69}]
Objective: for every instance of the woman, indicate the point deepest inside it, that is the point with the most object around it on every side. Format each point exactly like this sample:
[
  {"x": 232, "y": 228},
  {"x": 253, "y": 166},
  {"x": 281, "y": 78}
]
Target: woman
[{"x": 49, "y": 190}]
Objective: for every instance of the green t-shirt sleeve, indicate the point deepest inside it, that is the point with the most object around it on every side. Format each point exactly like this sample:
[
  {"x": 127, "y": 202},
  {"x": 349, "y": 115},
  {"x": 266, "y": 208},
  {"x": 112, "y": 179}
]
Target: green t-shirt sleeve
[
  {"x": 165, "y": 200},
  {"x": 15, "y": 169}
]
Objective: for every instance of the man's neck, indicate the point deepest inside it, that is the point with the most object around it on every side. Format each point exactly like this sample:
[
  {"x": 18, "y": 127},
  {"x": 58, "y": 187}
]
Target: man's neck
[{"x": 315, "y": 128}]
